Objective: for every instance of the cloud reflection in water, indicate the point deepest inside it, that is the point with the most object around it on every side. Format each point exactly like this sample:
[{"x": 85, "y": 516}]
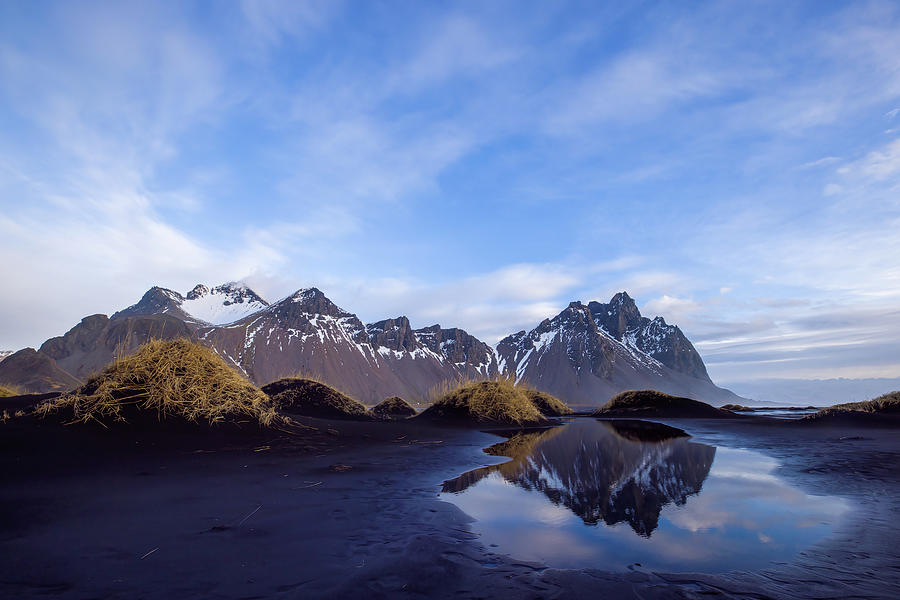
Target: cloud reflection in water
[{"x": 609, "y": 494}]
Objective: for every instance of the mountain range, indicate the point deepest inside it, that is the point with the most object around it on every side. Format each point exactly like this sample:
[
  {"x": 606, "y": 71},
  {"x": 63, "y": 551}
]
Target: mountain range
[{"x": 584, "y": 355}]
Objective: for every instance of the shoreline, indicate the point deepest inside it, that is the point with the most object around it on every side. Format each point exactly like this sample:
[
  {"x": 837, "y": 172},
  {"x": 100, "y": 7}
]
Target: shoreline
[{"x": 282, "y": 520}]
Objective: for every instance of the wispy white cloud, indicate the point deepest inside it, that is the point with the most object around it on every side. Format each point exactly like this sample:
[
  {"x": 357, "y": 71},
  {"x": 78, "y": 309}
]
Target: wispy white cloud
[
  {"x": 636, "y": 86},
  {"x": 877, "y": 166},
  {"x": 271, "y": 21},
  {"x": 821, "y": 162},
  {"x": 674, "y": 309},
  {"x": 456, "y": 46}
]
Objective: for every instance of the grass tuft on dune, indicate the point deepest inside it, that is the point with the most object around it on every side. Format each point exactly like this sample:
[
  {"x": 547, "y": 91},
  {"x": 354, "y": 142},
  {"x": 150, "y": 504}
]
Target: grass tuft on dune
[
  {"x": 9, "y": 390},
  {"x": 549, "y": 405},
  {"x": 887, "y": 405},
  {"x": 175, "y": 379},
  {"x": 737, "y": 408},
  {"x": 497, "y": 402}
]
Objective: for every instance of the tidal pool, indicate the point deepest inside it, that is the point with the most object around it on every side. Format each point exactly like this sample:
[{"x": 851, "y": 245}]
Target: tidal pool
[
  {"x": 614, "y": 494},
  {"x": 782, "y": 413}
]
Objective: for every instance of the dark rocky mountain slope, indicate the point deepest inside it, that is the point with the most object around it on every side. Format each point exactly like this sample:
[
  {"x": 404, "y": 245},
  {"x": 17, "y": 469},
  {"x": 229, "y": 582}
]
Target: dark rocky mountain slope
[
  {"x": 96, "y": 340},
  {"x": 35, "y": 373}
]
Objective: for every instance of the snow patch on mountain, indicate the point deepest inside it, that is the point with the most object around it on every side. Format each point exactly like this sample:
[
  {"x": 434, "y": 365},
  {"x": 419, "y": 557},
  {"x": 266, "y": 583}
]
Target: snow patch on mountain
[{"x": 222, "y": 304}]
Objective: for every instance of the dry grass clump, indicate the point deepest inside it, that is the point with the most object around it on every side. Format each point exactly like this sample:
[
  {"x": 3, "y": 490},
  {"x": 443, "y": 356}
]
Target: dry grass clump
[
  {"x": 549, "y": 405},
  {"x": 393, "y": 409},
  {"x": 887, "y": 404},
  {"x": 9, "y": 390},
  {"x": 311, "y": 398},
  {"x": 498, "y": 402},
  {"x": 174, "y": 379},
  {"x": 6, "y": 416}
]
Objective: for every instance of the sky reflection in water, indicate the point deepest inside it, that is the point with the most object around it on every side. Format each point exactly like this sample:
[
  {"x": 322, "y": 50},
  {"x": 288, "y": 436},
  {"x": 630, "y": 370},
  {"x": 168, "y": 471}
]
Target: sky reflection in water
[{"x": 589, "y": 495}]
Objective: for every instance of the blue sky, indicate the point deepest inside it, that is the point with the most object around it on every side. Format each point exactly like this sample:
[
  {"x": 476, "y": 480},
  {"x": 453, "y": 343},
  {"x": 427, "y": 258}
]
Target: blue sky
[{"x": 733, "y": 166}]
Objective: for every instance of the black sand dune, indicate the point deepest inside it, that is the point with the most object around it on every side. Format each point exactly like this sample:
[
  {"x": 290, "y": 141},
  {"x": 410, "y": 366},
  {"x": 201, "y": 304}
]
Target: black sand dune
[
  {"x": 393, "y": 409},
  {"x": 301, "y": 396},
  {"x": 650, "y": 403}
]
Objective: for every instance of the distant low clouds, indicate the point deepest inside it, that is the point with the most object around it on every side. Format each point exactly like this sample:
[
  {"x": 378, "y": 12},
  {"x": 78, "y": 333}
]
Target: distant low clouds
[
  {"x": 813, "y": 342},
  {"x": 489, "y": 305}
]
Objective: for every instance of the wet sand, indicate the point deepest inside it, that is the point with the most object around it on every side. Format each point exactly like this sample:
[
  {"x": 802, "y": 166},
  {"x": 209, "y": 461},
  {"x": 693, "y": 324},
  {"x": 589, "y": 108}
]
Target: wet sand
[{"x": 97, "y": 514}]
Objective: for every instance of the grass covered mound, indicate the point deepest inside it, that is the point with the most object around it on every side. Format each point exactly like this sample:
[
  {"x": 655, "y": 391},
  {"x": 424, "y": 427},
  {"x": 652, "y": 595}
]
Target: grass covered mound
[
  {"x": 393, "y": 409},
  {"x": 881, "y": 410},
  {"x": 165, "y": 380},
  {"x": 737, "y": 408},
  {"x": 550, "y": 406},
  {"x": 650, "y": 403},
  {"x": 310, "y": 398},
  {"x": 498, "y": 402},
  {"x": 7, "y": 390}
]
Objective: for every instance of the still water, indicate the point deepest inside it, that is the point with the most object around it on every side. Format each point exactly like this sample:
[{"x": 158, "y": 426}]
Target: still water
[
  {"x": 608, "y": 495},
  {"x": 783, "y": 413}
]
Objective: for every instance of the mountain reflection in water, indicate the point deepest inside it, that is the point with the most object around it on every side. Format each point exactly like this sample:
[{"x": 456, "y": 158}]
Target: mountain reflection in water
[
  {"x": 609, "y": 494},
  {"x": 618, "y": 472}
]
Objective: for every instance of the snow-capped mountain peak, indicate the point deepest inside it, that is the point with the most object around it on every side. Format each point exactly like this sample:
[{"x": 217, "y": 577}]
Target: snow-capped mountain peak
[
  {"x": 222, "y": 304},
  {"x": 219, "y": 305},
  {"x": 199, "y": 291}
]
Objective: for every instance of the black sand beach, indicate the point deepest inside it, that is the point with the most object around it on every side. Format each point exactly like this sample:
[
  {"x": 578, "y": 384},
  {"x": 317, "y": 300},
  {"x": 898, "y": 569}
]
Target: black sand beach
[{"x": 351, "y": 510}]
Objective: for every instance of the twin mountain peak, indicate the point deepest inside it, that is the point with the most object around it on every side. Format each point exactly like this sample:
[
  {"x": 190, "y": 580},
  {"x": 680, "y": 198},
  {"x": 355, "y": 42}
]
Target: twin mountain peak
[{"x": 584, "y": 355}]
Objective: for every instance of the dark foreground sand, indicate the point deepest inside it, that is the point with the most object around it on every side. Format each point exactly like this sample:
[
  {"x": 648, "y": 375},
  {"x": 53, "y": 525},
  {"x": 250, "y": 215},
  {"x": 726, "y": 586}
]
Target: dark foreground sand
[{"x": 94, "y": 514}]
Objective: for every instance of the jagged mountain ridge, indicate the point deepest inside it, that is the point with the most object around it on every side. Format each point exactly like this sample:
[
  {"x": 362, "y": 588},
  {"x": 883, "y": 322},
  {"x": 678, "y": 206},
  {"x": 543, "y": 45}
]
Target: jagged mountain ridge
[
  {"x": 590, "y": 352},
  {"x": 306, "y": 333}
]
